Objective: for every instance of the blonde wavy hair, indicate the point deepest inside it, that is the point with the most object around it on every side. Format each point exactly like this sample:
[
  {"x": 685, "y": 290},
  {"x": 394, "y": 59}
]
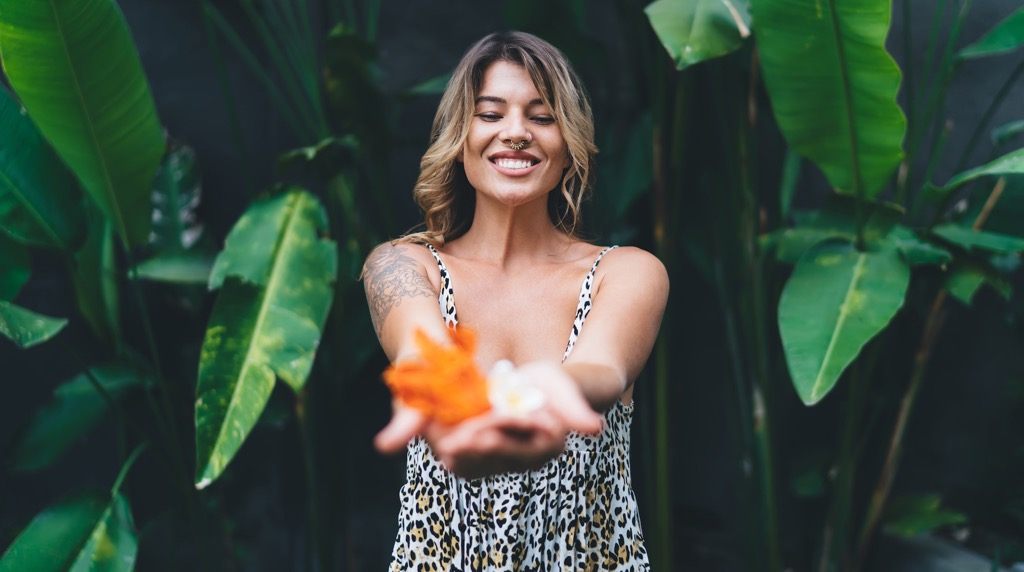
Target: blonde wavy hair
[{"x": 442, "y": 190}]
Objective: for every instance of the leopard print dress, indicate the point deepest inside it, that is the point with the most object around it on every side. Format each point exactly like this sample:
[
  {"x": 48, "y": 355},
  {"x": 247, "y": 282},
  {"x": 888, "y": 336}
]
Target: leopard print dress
[{"x": 577, "y": 512}]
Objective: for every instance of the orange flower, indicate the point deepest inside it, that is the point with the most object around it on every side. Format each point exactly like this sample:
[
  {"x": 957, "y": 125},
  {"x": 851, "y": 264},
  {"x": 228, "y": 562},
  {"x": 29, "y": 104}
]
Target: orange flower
[{"x": 445, "y": 383}]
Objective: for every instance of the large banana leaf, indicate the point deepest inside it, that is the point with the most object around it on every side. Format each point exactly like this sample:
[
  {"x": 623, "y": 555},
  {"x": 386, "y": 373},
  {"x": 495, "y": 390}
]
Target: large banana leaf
[
  {"x": 75, "y": 409},
  {"x": 39, "y": 198},
  {"x": 75, "y": 68},
  {"x": 1005, "y": 37},
  {"x": 86, "y": 533},
  {"x": 26, "y": 328},
  {"x": 836, "y": 300},
  {"x": 833, "y": 86},
  {"x": 14, "y": 268},
  {"x": 697, "y": 30},
  {"x": 275, "y": 275}
]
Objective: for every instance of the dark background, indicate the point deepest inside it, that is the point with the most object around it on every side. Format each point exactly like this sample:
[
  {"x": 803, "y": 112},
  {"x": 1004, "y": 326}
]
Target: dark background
[{"x": 966, "y": 422}]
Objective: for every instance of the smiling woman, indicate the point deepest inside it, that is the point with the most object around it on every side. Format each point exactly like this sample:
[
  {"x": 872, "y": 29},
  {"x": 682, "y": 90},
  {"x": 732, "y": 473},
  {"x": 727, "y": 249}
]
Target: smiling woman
[{"x": 501, "y": 186}]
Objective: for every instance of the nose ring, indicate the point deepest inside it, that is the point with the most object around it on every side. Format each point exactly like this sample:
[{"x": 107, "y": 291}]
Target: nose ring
[{"x": 518, "y": 145}]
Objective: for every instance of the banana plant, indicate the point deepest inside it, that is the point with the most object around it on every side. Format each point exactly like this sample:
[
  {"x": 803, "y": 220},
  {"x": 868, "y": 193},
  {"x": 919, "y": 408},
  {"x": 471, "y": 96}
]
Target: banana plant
[
  {"x": 275, "y": 276},
  {"x": 850, "y": 279}
]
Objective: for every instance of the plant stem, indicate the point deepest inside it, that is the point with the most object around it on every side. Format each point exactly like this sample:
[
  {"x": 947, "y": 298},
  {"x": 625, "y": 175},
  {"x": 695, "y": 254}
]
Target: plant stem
[
  {"x": 662, "y": 540},
  {"x": 836, "y": 547},
  {"x": 127, "y": 466},
  {"x": 319, "y": 548},
  {"x": 932, "y": 328},
  {"x": 167, "y": 393}
]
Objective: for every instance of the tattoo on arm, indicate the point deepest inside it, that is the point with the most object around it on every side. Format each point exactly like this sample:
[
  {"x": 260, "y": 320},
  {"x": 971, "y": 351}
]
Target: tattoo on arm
[{"x": 390, "y": 275}]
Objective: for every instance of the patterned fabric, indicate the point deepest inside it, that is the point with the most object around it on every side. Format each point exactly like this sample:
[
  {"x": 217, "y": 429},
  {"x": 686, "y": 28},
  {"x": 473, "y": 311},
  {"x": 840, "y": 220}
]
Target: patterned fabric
[{"x": 577, "y": 512}]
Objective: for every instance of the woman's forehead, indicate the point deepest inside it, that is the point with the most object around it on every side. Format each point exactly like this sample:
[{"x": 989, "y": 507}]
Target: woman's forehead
[{"x": 505, "y": 82}]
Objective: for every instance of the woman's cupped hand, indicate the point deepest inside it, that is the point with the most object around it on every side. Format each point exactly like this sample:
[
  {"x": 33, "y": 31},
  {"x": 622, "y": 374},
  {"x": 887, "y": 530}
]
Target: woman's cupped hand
[{"x": 499, "y": 441}]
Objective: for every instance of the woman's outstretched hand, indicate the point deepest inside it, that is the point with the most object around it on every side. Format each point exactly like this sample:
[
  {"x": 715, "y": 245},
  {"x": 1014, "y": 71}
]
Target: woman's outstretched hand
[{"x": 497, "y": 442}]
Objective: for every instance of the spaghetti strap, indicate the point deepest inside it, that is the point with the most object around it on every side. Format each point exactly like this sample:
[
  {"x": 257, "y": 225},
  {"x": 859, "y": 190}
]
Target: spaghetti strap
[
  {"x": 585, "y": 303},
  {"x": 446, "y": 297}
]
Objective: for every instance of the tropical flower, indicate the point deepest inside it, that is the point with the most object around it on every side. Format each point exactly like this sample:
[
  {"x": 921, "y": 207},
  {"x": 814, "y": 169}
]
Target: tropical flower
[{"x": 445, "y": 383}]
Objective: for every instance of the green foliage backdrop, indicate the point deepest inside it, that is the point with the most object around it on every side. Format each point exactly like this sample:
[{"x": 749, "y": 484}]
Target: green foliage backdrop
[{"x": 773, "y": 154}]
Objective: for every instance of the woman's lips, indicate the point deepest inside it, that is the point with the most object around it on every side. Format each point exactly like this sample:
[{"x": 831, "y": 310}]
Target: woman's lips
[{"x": 512, "y": 172}]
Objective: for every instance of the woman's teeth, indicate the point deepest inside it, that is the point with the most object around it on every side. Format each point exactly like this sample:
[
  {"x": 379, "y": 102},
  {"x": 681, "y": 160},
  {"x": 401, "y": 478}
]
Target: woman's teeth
[{"x": 512, "y": 163}]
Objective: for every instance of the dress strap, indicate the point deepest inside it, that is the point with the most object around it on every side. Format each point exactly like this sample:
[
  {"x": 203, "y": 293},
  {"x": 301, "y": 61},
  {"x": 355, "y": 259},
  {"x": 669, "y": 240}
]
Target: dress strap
[
  {"x": 583, "y": 308},
  {"x": 446, "y": 297}
]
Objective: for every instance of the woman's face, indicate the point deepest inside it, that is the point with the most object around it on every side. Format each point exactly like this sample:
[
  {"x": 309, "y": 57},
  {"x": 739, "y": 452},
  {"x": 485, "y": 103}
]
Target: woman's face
[{"x": 508, "y": 110}]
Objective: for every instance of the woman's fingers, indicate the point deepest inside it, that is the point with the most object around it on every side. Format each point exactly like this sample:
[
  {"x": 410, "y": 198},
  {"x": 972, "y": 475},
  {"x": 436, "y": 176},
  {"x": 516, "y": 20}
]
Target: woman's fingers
[
  {"x": 405, "y": 424},
  {"x": 494, "y": 444}
]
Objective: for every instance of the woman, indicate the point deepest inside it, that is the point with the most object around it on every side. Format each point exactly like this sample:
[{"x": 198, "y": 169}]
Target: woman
[{"x": 501, "y": 186}]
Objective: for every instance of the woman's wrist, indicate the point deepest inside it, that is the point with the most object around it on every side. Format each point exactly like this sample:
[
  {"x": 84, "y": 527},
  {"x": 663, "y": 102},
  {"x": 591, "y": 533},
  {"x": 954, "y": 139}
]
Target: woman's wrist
[{"x": 601, "y": 385}]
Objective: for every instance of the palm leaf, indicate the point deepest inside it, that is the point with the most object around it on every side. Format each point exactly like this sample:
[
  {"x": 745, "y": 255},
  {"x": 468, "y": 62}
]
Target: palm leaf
[
  {"x": 275, "y": 275},
  {"x": 697, "y": 30},
  {"x": 837, "y": 299},
  {"x": 75, "y": 68},
  {"x": 39, "y": 198},
  {"x": 833, "y": 86}
]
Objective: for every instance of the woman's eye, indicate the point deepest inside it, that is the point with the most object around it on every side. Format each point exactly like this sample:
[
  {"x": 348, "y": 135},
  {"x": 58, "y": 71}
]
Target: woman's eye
[
  {"x": 544, "y": 119},
  {"x": 489, "y": 116}
]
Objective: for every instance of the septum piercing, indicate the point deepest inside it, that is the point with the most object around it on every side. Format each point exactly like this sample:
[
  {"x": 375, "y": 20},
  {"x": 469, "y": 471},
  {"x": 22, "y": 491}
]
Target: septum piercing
[{"x": 518, "y": 145}]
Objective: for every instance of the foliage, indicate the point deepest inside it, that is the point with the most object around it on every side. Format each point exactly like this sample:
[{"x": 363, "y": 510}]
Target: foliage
[{"x": 813, "y": 302}]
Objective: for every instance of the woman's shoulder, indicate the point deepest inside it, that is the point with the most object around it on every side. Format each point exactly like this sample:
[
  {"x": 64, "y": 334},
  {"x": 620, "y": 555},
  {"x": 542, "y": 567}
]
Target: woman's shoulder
[
  {"x": 392, "y": 253},
  {"x": 635, "y": 264}
]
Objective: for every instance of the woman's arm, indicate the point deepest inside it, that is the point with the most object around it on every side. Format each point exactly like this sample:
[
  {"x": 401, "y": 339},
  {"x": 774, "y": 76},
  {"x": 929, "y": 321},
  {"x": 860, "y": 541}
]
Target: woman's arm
[
  {"x": 401, "y": 297},
  {"x": 623, "y": 324}
]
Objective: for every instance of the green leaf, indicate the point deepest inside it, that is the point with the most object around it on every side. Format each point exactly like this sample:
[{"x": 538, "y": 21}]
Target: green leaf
[
  {"x": 1005, "y": 37},
  {"x": 276, "y": 277},
  {"x": 325, "y": 159},
  {"x": 177, "y": 268},
  {"x": 75, "y": 68},
  {"x": 1007, "y": 131},
  {"x": 1010, "y": 164},
  {"x": 76, "y": 407},
  {"x": 915, "y": 250},
  {"x": 39, "y": 197},
  {"x": 838, "y": 219},
  {"x": 94, "y": 275},
  {"x": 833, "y": 86},
  {"x": 787, "y": 185},
  {"x": 432, "y": 86},
  {"x": 968, "y": 276},
  {"x": 697, "y": 30},
  {"x": 85, "y": 533},
  {"x": 911, "y": 515},
  {"x": 15, "y": 268},
  {"x": 176, "y": 194},
  {"x": 970, "y": 238},
  {"x": 836, "y": 300},
  {"x": 26, "y": 328}
]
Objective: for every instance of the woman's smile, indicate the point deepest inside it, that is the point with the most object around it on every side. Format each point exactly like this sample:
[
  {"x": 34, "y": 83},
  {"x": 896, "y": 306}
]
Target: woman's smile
[{"x": 514, "y": 163}]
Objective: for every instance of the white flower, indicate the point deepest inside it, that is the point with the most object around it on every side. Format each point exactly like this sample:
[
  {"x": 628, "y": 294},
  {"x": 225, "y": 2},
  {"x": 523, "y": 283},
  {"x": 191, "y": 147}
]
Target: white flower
[{"x": 510, "y": 393}]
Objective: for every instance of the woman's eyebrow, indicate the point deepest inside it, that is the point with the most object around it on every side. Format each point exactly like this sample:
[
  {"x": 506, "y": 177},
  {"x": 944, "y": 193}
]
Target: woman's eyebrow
[{"x": 493, "y": 99}]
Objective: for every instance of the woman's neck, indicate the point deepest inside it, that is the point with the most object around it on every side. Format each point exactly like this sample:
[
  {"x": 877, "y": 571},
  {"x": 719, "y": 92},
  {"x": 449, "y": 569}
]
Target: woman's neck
[{"x": 506, "y": 236}]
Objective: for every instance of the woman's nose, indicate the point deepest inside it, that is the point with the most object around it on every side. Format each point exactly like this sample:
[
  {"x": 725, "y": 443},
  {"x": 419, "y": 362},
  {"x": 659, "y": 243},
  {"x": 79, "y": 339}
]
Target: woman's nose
[{"x": 515, "y": 128}]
